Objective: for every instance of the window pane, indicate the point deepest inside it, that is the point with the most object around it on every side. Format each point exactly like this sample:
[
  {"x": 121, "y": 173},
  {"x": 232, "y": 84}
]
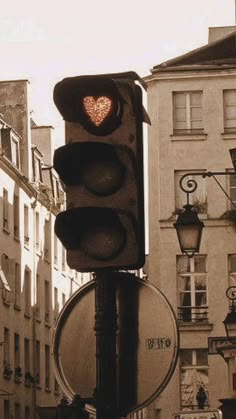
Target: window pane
[
  {"x": 196, "y": 114},
  {"x": 232, "y": 263},
  {"x": 180, "y": 115},
  {"x": 186, "y": 357},
  {"x": 200, "y": 299},
  {"x": 195, "y": 98},
  {"x": 200, "y": 282},
  {"x": 183, "y": 264},
  {"x": 184, "y": 283},
  {"x": 185, "y": 299},
  {"x": 230, "y": 97},
  {"x": 180, "y": 98},
  {"x": 202, "y": 357},
  {"x": 199, "y": 263}
]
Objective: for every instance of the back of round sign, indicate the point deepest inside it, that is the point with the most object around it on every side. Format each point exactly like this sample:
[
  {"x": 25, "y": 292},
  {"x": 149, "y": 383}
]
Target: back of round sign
[{"x": 147, "y": 343}]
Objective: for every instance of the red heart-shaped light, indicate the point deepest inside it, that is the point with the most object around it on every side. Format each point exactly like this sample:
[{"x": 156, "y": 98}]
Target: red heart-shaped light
[{"x": 97, "y": 108}]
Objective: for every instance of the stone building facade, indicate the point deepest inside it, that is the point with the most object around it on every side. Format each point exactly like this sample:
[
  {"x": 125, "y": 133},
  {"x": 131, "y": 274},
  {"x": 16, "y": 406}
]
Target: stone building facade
[
  {"x": 35, "y": 281},
  {"x": 192, "y": 106}
]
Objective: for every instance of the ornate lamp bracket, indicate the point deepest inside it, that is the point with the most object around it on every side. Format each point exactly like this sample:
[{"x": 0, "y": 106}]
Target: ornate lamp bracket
[{"x": 191, "y": 185}]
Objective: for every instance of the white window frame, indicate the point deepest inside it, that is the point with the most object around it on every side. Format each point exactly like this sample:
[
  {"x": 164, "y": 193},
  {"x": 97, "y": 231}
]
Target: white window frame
[
  {"x": 5, "y": 212},
  {"x": 229, "y": 110},
  {"x": 26, "y": 226},
  {"x": 37, "y": 165},
  {"x": 15, "y": 151},
  {"x": 16, "y": 216},
  {"x": 188, "y": 109},
  {"x": 17, "y": 290},
  {"x": 27, "y": 292},
  {"x": 193, "y": 370},
  {"x": 191, "y": 313}
]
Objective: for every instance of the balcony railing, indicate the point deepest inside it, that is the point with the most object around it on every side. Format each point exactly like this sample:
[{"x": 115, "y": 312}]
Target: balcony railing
[{"x": 193, "y": 314}]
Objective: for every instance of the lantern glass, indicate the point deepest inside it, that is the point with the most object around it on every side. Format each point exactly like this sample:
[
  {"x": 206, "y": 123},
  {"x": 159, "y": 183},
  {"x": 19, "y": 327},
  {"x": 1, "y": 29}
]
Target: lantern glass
[{"x": 189, "y": 231}]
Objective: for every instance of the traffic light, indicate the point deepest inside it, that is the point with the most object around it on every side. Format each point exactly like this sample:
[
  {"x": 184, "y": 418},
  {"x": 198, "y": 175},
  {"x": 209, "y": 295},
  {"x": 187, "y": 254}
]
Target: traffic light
[{"x": 101, "y": 166}]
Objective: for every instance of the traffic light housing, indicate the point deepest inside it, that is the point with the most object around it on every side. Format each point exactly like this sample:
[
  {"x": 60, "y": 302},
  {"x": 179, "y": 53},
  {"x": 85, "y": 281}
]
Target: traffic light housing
[{"x": 101, "y": 166}]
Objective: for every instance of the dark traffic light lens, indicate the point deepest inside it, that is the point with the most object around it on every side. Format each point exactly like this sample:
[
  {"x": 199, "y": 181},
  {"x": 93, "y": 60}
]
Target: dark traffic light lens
[
  {"x": 98, "y": 167},
  {"x": 97, "y": 232},
  {"x": 103, "y": 242},
  {"x": 102, "y": 172}
]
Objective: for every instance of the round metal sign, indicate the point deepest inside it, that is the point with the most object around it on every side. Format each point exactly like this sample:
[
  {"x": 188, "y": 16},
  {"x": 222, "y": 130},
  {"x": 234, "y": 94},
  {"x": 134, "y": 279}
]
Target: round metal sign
[{"x": 147, "y": 343}]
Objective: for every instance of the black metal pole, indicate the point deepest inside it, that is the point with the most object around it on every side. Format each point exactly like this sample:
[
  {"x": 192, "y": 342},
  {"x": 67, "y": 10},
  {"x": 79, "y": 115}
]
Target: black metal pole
[{"x": 105, "y": 331}]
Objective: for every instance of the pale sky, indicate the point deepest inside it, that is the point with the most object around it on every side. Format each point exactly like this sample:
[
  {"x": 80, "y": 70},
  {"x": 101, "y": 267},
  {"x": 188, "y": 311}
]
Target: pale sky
[{"x": 49, "y": 40}]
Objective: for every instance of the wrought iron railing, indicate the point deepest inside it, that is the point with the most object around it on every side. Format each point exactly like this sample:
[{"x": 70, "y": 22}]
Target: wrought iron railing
[{"x": 193, "y": 314}]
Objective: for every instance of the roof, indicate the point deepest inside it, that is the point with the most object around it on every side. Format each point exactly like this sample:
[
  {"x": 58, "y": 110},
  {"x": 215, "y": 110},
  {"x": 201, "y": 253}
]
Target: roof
[{"x": 221, "y": 52}]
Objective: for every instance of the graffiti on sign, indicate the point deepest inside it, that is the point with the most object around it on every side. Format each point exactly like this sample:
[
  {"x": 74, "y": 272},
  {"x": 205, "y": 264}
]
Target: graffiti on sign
[{"x": 157, "y": 343}]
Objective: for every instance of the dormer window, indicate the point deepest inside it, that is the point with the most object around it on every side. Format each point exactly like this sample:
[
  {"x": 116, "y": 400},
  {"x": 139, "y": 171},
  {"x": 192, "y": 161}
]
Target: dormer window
[
  {"x": 11, "y": 146},
  {"x": 55, "y": 187},
  {"x": 37, "y": 165}
]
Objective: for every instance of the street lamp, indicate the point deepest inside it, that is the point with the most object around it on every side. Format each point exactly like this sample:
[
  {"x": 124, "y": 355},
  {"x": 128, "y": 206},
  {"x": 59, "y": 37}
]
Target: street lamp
[
  {"x": 188, "y": 226},
  {"x": 189, "y": 230},
  {"x": 230, "y": 319}
]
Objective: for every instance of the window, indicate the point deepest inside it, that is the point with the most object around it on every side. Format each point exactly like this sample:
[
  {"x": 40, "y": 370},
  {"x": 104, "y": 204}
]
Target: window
[
  {"x": 26, "y": 356},
  {"x": 6, "y": 351},
  {"x": 232, "y": 270},
  {"x": 16, "y": 350},
  {"x": 38, "y": 295},
  {"x": 192, "y": 285},
  {"x": 6, "y": 409},
  {"x": 15, "y": 154},
  {"x": 37, "y": 363},
  {"x": 55, "y": 250},
  {"x": 198, "y": 198},
  {"x": 37, "y": 165},
  {"x": 26, "y": 225},
  {"x": 5, "y": 279},
  {"x": 5, "y": 215},
  {"x": 232, "y": 190},
  {"x": 63, "y": 258},
  {"x": 56, "y": 304},
  {"x": 17, "y": 366},
  {"x": 27, "y": 292},
  {"x": 10, "y": 146},
  {"x": 229, "y": 100},
  {"x": 47, "y": 367},
  {"x": 55, "y": 188},
  {"x": 16, "y": 218},
  {"x": 47, "y": 300},
  {"x": 194, "y": 373},
  {"x": 188, "y": 112},
  {"x": 17, "y": 411},
  {"x": 17, "y": 294},
  {"x": 47, "y": 240},
  {"x": 37, "y": 232}
]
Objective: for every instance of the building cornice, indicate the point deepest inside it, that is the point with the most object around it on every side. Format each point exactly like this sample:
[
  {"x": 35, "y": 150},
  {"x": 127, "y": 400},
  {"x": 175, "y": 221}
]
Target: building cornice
[{"x": 174, "y": 74}]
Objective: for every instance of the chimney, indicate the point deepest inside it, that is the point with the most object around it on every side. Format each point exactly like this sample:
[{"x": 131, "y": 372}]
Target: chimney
[{"x": 220, "y": 32}]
